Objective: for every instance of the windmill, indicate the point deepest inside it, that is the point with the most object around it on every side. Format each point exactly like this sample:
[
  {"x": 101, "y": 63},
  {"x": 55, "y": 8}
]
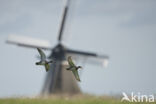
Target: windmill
[{"x": 57, "y": 79}]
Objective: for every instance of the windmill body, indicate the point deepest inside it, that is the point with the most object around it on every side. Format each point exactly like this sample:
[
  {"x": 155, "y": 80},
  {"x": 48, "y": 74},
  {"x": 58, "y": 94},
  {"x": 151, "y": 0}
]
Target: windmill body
[{"x": 58, "y": 80}]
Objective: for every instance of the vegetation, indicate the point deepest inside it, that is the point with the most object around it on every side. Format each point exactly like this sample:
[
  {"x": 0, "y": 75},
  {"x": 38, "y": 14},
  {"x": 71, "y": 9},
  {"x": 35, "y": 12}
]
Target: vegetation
[{"x": 65, "y": 100}]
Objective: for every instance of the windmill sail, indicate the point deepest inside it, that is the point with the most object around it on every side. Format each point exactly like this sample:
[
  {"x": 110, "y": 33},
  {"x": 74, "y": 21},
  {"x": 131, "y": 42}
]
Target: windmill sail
[
  {"x": 63, "y": 20},
  {"x": 90, "y": 57},
  {"x": 28, "y": 42}
]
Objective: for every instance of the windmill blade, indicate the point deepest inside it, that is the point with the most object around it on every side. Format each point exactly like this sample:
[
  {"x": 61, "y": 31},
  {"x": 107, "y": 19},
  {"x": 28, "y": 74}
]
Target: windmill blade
[
  {"x": 87, "y": 54},
  {"x": 92, "y": 58},
  {"x": 28, "y": 42},
  {"x": 63, "y": 19}
]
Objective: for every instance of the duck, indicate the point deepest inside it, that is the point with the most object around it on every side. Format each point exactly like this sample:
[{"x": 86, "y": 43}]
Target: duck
[
  {"x": 72, "y": 67},
  {"x": 43, "y": 61}
]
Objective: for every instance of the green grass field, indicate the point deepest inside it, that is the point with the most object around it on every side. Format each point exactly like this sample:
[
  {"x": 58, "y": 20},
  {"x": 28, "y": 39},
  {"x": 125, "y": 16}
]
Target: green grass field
[{"x": 66, "y": 100}]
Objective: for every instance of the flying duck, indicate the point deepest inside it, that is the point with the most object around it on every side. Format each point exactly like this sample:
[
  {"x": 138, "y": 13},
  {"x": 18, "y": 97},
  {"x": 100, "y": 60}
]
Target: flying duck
[
  {"x": 72, "y": 67},
  {"x": 43, "y": 61}
]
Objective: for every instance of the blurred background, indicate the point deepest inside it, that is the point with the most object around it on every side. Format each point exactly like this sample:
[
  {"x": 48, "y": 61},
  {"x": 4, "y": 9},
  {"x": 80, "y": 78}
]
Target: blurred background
[{"x": 124, "y": 30}]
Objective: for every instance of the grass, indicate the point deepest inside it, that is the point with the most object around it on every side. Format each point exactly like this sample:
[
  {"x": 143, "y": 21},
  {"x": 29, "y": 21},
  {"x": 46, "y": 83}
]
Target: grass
[{"x": 65, "y": 100}]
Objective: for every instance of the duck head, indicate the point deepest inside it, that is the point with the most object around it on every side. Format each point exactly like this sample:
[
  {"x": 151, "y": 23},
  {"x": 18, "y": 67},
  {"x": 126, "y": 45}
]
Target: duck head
[{"x": 79, "y": 67}]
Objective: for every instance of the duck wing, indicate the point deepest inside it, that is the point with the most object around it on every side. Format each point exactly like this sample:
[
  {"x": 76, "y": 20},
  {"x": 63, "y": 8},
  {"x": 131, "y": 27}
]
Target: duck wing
[
  {"x": 43, "y": 56},
  {"x": 70, "y": 62},
  {"x": 47, "y": 67},
  {"x": 75, "y": 72}
]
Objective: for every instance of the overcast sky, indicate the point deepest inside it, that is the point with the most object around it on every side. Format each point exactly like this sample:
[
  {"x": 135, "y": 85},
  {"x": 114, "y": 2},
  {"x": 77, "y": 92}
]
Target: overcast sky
[{"x": 123, "y": 29}]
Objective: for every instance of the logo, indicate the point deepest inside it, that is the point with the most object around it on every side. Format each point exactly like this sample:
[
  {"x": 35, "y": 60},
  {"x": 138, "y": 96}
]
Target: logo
[{"x": 137, "y": 97}]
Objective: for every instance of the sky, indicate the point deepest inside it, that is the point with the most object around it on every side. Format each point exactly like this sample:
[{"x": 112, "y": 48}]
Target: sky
[{"x": 123, "y": 29}]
